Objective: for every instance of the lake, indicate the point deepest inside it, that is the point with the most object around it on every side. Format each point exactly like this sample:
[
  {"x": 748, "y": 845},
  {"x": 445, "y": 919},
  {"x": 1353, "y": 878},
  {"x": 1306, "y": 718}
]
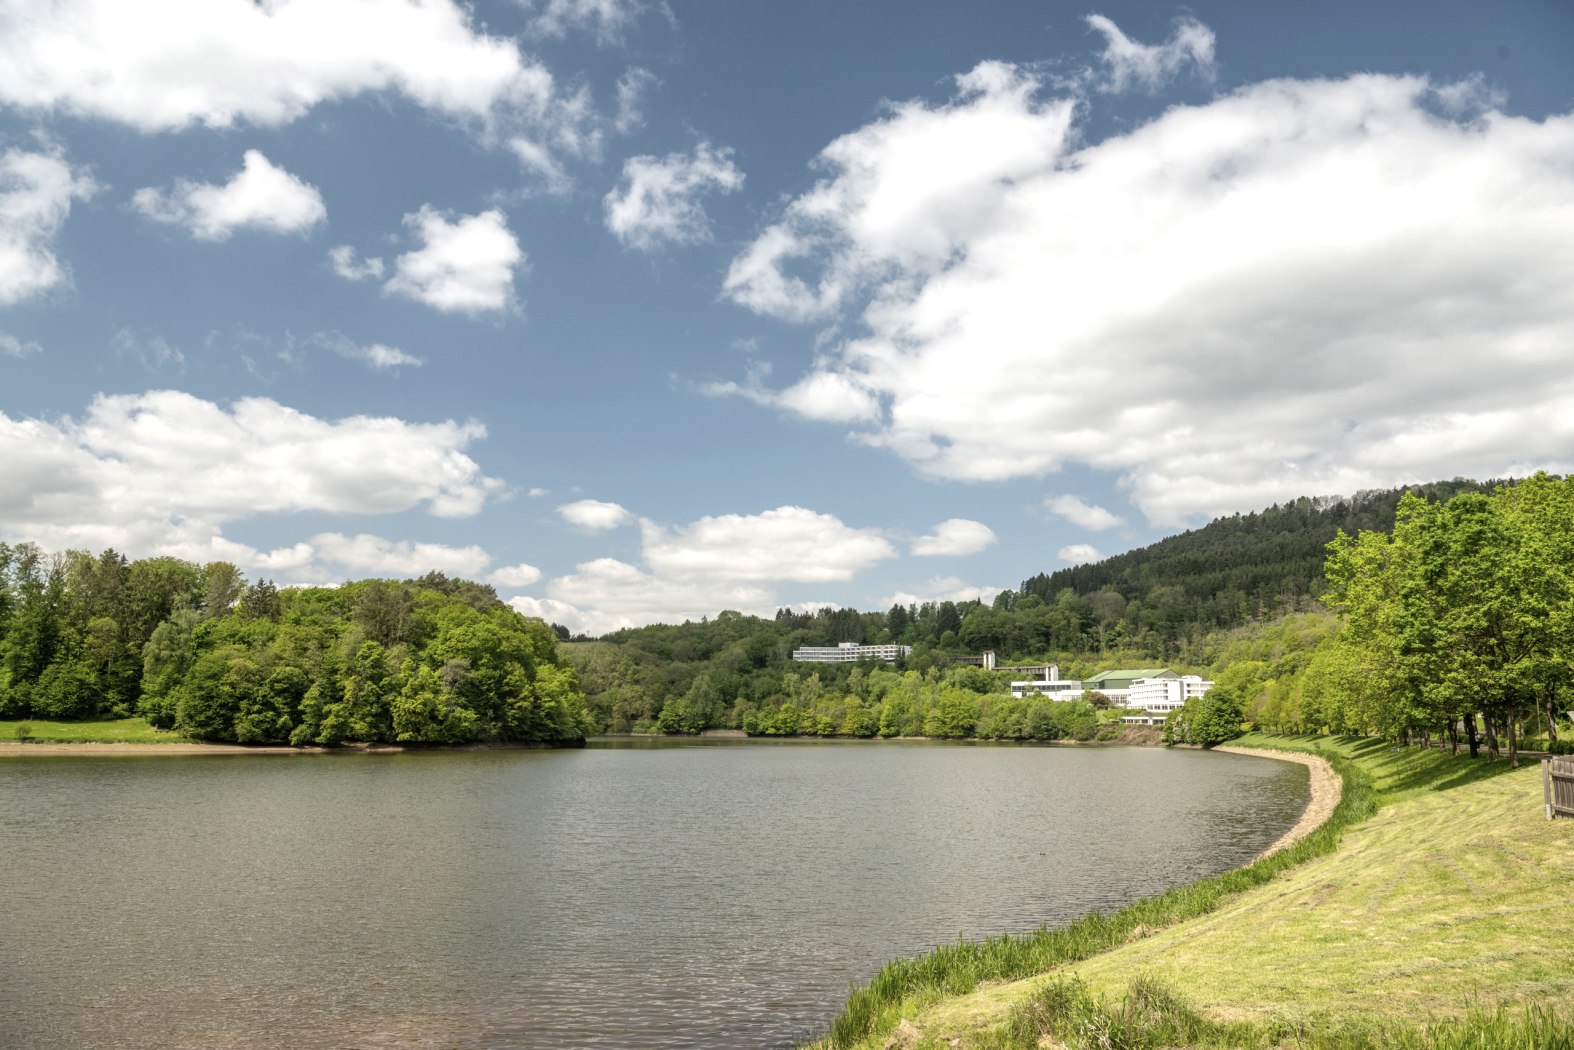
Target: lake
[{"x": 634, "y": 894}]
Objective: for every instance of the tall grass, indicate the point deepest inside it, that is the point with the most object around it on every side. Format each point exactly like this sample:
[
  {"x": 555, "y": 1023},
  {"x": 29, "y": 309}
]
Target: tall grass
[
  {"x": 1373, "y": 773},
  {"x": 1150, "y": 1016}
]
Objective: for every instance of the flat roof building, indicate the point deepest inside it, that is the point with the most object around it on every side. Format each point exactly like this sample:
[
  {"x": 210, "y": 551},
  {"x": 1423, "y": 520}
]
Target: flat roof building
[{"x": 849, "y": 653}]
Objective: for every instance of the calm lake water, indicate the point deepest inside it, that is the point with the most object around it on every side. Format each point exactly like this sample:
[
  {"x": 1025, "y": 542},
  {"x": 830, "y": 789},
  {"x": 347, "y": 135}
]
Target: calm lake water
[{"x": 722, "y": 894}]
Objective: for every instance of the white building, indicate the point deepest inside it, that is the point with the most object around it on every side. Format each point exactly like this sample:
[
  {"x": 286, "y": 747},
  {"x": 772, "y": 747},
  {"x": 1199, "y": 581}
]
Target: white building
[
  {"x": 1158, "y": 690},
  {"x": 1163, "y": 695},
  {"x": 849, "y": 653}
]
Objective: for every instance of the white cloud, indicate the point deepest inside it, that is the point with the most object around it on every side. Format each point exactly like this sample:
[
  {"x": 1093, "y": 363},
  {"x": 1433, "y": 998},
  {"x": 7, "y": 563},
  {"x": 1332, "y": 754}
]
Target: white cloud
[
  {"x": 635, "y": 83},
  {"x": 11, "y": 346},
  {"x": 729, "y": 561},
  {"x": 955, "y": 536},
  {"x": 1087, "y": 515},
  {"x": 541, "y": 161},
  {"x": 36, "y": 191},
  {"x": 165, "y": 472},
  {"x": 537, "y": 492},
  {"x": 345, "y": 264},
  {"x": 151, "y": 350},
  {"x": 521, "y": 575},
  {"x": 261, "y": 196},
  {"x": 554, "y": 612},
  {"x": 224, "y": 62},
  {"x": 379, "y": 356},
  {"x": 367, "y": 555},
  {"x": 1306, "y": 286},
  {"x": 788, "y": 543},
  {"x": 1079, "y": 554},
  {"x": 658, "y": 200},
  {"x": 906, "y": 192},
  {"x": 1129, "y": 64},
  {"x": 942, "y": 589},
  {"x": 607, "y": 594},
  {"x": 595, "y": 515},
  {"x": 464, "y": 266},
  {"x": 832, "y": 397},
  {"x": 606, "y": 20}
]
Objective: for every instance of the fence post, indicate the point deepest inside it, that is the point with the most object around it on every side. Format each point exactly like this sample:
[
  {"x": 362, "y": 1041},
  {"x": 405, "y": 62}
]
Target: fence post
[{"x": 1546, "y": 784}]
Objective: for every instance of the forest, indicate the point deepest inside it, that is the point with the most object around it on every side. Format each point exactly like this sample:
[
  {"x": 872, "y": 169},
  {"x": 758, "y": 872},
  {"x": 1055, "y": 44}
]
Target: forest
[
  {"x": 1293, "y": 639},
  {"x": 197, "y": 649},
  {"x": 1399, "y": 613}
]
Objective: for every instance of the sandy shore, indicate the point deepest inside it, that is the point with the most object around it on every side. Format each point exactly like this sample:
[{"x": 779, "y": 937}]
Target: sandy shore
[{"x": 1326, "y": 791}]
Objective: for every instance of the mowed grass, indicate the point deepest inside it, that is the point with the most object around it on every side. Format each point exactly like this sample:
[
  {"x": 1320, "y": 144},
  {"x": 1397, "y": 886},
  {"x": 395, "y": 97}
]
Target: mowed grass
[
  {"x": 1454, "y": 898},
  {"x": 115, "y": 731}
]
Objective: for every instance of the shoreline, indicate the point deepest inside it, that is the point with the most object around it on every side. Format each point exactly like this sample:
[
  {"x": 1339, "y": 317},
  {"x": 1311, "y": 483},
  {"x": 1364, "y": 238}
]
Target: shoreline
[
  {"x": 1326, "y": 786},
  {"x": 102, "y": 748}
]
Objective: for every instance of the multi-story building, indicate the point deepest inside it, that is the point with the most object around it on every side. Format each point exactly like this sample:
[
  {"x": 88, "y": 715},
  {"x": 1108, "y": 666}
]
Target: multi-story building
[
  {"x": 849, "y": 653},
  {"x": 1156, "y": 689}
]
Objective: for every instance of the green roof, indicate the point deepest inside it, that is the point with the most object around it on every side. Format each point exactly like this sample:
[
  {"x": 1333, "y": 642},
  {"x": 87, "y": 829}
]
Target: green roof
[{"x": 1123, "y": 679}]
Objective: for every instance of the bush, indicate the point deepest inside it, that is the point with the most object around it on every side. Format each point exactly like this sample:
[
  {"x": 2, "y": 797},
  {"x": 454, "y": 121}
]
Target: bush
[{"x": 1561, "y": 747}]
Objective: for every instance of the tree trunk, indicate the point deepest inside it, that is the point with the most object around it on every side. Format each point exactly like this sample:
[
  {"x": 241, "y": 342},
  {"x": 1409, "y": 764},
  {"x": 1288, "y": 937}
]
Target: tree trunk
[
  {"x": 1492, "y": 749},
  {"x": 1513, "y": 744},
  {"x": 1470, "y": 732},
  {"x": 1552, "y": 714},
  {"x": 1453, "y": 738}
]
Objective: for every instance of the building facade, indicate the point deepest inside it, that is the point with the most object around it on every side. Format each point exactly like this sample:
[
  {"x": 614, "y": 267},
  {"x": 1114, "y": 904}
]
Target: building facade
[{"x": 849, "y": 653}]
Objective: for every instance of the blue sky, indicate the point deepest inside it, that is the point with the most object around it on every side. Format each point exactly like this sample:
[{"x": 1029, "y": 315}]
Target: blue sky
[{"x": 644, "y": 310}]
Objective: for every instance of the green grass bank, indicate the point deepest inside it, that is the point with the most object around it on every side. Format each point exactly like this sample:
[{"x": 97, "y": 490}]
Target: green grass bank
[
  {"x": 114, "y": 731},
  {"x": 1431, "y": 910}
]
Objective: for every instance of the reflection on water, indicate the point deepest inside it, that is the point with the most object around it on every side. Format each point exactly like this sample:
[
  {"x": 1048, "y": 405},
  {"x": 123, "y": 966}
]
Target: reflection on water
[{"x": 627, "y": 895}]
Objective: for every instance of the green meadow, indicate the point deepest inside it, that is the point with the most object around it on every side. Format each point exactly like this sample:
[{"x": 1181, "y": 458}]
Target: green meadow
[{"x": 1432, "y": 910}]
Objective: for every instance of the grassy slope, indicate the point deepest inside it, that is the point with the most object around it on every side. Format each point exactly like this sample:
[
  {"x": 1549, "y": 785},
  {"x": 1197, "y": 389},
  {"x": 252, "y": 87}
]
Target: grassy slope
[
  {"x": 1454, "y": 894},
  {"x": 118, "y": 731}
]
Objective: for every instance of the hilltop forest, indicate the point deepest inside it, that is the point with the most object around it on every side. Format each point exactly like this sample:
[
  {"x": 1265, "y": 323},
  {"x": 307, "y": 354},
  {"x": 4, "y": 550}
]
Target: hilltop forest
[
  {"x": 1242, "y": 590},
  {"x": 199, "y": 650},
  {"x": 1396, "y": 612}
]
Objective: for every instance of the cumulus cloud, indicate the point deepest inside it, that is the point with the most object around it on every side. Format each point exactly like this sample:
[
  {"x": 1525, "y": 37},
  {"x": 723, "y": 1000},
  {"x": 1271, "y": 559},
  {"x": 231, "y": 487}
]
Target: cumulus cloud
[
  {"x": 955, "y": 536},
  {"x": 1079, "y": 554},
  {"x": 1087, "y": 515},
  {"x": 346, "y": 264},
  {"x": 1305, "y": 286},
  {"x": 942, "y": 589},
  {"x": 165, "y": 472},
  {"x": 607, "y": 594},
  {"x": 224, "y": 62},
  {"x": 905, "y": 192},
  {"x": 36, "y": 191},
  {"x": 828, "y": 396},
  {"x": 465, "y": 266},
  {"x": 11, "y": 346},
  {"x": 261, "y": 196},
  {"x": 1130, "y": 64},
  {"x": 378, "y": 356},
  {"x": 788, "y": 543},
  {"x": 367, "y": 555},
  {"x": 729, "y": 561},
  {"x": 521, "y": 575},
  {"x": 658, "y": 200},
  {"x": 595, "y": 515}
]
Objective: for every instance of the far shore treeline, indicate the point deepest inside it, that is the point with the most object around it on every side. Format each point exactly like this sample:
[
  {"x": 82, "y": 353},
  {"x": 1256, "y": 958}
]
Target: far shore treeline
[
  {"x": 1320, "y": 615},
  {"x": 198, "y": 650}
]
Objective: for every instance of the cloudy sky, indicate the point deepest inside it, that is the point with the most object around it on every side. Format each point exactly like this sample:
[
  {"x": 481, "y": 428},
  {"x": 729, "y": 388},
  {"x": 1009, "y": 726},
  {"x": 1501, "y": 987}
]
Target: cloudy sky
[{"x": 640, "y": 310}]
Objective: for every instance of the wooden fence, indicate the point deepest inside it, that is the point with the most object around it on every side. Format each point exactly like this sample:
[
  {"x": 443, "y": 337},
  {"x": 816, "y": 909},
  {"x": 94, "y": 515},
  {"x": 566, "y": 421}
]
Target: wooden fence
[{"x": 1557, "y": 786}]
